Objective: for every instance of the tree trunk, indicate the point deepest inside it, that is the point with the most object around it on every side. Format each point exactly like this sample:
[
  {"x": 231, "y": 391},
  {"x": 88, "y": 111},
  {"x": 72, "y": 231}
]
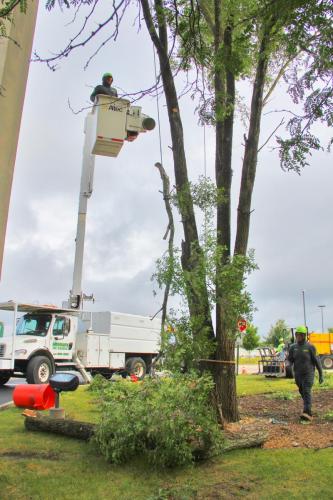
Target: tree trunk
[
  {"x": 69, "y": 428},
  {"x": 251, "y": 147},
  {"x": 224, "y": 373},
  {"x": 192, "y": 256}
]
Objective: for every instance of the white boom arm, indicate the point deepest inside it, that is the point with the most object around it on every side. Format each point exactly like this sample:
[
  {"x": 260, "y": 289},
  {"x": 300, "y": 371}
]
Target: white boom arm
[
  {"x": 86, "y": 188},
  {"x": 111, "y": 122}
]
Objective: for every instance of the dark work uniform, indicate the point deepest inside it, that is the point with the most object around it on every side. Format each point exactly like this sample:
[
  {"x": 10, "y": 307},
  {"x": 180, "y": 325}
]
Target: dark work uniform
[
  {"x": 304, "y": 358},
  {"x": 104, "y": 89}
]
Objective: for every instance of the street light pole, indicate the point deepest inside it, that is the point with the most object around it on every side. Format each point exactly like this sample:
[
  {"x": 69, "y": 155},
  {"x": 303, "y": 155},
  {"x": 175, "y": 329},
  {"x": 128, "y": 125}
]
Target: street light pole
[
  {"x": 322, "y": 317},
  {"x": 304, "y": 314}
]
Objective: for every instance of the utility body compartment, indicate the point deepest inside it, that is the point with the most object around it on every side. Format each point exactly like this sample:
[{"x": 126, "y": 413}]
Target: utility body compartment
[{"x": 111, "y": 337}]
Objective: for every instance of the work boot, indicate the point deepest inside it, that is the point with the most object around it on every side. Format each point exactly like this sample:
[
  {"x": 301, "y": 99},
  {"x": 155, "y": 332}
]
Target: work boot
[{"x": 306, "y": 416}]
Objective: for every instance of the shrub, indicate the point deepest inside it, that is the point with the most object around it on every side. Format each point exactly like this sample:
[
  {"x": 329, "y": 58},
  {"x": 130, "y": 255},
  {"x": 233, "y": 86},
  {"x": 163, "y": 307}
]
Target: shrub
[{"x": 167, "y": 422}]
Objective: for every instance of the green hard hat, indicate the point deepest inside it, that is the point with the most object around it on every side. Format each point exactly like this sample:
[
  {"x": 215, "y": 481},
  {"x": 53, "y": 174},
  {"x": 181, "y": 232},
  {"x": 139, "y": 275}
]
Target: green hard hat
[
  {"x": 301, "y": 329},
  {"x": 107, "y": 75},
  {"x": 281, "y": 340}
]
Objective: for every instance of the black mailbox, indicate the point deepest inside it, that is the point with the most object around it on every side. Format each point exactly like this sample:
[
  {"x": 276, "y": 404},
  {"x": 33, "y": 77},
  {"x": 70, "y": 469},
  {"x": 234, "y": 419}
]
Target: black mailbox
[{"x": 64, "y": 382}]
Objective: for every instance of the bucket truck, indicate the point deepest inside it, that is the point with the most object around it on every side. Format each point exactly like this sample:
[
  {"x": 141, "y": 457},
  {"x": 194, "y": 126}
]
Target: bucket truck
[{"x": 44, "y": 338}]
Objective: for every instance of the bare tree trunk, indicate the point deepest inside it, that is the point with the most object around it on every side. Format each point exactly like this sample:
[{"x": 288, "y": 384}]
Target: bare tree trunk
[
  {"x": 225, "y": 378},
  {"x": 251, "y": 148},
  {"x": 192, "y": 256}
]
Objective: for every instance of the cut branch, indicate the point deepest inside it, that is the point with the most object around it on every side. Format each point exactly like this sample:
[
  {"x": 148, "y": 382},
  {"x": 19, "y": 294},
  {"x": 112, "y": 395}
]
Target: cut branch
[{"x": 171, "y": 231}]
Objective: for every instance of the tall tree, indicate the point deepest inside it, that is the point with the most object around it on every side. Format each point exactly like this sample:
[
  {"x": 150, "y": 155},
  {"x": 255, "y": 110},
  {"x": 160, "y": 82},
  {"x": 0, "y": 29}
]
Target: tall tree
[{"x": 257, "y": 40}]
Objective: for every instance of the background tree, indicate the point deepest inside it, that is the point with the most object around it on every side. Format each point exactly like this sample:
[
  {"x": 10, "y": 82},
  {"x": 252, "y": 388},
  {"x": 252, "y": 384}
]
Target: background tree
[
  {"x": 278, "y": 331},
  {"x": 251, "y": 338}
]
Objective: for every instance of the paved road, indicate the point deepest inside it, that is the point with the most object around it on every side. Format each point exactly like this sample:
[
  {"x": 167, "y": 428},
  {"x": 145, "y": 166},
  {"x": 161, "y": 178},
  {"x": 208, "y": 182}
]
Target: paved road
[{"x": 7, "y": 390}]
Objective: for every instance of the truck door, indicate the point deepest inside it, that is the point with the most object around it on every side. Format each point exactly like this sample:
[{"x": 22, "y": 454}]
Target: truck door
[{"x": 62, "y": 337}]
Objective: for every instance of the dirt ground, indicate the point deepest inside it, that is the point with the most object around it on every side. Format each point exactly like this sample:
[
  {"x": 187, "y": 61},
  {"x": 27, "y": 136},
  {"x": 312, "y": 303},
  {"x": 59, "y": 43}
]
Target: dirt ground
[{"x": 279, "y": 418}]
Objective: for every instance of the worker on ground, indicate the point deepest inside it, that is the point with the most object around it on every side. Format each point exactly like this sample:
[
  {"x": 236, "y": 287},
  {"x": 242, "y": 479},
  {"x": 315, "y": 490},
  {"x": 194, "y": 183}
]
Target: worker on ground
[
  {"x": 303, "y": 357},
  {"x": 105, "y": 88},
  {"x": 280, "y": 350}
]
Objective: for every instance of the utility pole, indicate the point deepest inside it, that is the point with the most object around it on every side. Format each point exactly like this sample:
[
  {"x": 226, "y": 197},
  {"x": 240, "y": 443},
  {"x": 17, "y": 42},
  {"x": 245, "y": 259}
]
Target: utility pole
[
  {"x": 15, "y": 53},
  {"x": 322, "y": 317},
  {"x": 304, "y": 314}
]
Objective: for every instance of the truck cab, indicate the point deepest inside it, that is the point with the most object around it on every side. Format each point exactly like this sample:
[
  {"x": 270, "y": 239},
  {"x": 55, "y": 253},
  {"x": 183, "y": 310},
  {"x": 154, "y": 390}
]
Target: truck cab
[{"x": 41, "y": 336}]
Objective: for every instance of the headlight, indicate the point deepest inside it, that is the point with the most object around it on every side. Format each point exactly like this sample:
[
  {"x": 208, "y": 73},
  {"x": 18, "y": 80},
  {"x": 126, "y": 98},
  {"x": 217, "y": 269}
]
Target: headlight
[{"x": 21, "y": 352}]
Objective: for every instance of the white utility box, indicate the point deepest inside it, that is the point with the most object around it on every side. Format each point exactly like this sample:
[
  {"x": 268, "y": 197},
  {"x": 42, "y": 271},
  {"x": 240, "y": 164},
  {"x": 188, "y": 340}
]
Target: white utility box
[{"x": 109, "y": 129}]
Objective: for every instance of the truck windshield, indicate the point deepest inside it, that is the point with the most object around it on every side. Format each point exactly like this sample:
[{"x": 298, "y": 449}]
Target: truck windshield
[{"x": 34, "y": 324}]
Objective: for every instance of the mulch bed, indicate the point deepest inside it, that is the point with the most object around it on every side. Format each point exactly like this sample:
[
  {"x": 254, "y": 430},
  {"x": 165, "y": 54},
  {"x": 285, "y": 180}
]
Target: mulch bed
[{"x": 279, "y": 418}]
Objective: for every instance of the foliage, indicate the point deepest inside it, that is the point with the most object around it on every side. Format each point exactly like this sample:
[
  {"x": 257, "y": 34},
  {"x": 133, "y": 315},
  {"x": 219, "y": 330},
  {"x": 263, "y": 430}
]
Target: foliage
[
  {"x": 180, "y": 346},
  {"x": 251, "y": 338},
  {"x": 164, "y": 421},
  {"x": 310, "y": 81},
  {"x": 278, "y": 331},
  {"x": 6, "y": 9}
]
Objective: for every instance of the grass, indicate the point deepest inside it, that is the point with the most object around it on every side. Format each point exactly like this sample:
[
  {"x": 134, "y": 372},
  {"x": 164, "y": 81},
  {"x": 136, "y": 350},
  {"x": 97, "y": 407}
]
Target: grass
[
  {"x": 41, "y": 466},
  {"x": 249, "y": 361},
  {"x": 258, "y": 384}
]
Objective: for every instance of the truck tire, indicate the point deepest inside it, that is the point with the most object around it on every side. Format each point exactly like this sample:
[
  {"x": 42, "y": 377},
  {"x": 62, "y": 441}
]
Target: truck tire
[
  {"x": 4, "y": 379},
  {"x": 137, "y": 367},
  {"x": 326, "y": 362},
  {"x": 39, "y": 370}
]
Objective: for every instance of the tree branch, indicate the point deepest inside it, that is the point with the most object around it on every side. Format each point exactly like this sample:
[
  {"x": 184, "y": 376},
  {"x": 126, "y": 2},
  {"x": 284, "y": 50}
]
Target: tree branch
[
  {"x": 171, "y": 231},
  {"x": 276, "y": 128}
]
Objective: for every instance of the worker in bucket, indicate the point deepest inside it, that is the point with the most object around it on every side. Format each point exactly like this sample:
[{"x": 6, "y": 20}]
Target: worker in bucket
[
  {"x": 303, "y": 357},
  {"x": 105, "y": 88}
]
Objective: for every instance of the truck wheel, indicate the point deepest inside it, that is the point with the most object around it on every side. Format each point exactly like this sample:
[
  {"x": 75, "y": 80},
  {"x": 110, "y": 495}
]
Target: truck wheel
[
  {"x": 4, "y": 379},
  {"x": 39, "y": 370},
  {"x": 137, "y": 367},
  {"x": 327, "y": 362}
]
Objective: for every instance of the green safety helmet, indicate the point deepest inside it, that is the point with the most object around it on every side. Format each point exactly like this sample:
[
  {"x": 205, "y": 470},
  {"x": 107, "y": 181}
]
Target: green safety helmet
[
  {"x": 301, "y": 329},
  {"x": 281, "y": 340},
  {"x": 107, "y": 75}
]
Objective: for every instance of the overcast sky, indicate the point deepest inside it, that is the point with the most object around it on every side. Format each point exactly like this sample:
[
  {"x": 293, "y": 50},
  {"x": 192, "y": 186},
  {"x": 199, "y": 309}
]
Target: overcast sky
[{"x": 291, "y": 226}]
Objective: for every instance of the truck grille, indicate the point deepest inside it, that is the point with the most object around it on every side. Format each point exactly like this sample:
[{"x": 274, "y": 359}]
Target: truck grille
[{"x": 2, "y": 350}]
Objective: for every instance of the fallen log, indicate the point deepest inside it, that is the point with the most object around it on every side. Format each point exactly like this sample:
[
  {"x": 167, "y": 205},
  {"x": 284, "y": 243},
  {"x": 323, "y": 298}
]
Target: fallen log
[
  {"x": 251, "y": 441},
  {"x": 85, "y": 430},
  {"x": 65, "y": 427}
]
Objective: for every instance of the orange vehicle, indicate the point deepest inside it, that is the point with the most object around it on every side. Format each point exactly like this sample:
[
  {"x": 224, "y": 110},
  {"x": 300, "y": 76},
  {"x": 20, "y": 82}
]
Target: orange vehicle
[{"x": 323, "y": 342}]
